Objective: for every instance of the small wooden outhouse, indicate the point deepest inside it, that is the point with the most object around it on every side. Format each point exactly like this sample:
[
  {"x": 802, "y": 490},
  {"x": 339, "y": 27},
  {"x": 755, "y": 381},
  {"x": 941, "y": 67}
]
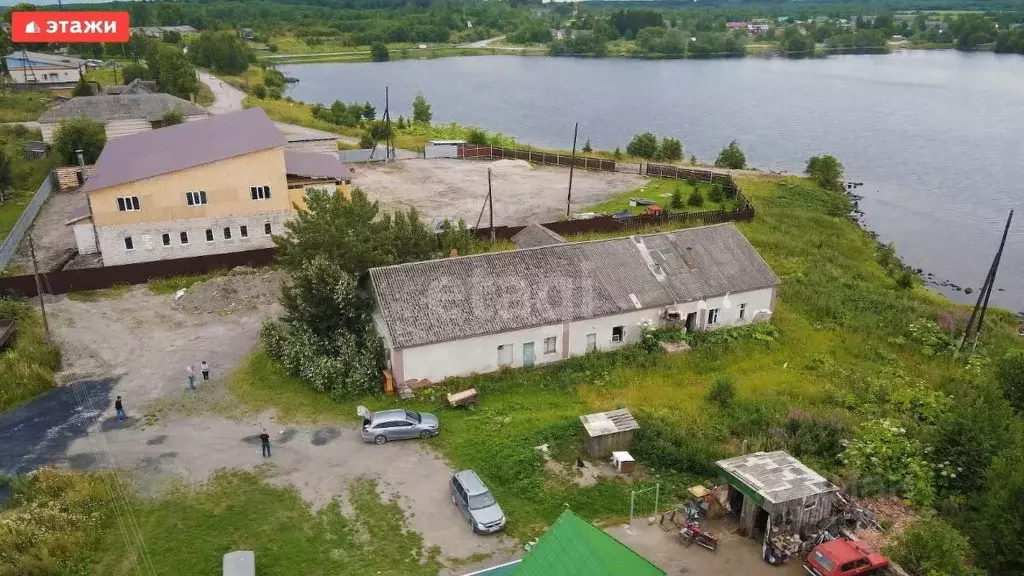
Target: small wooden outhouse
[{"x": 607, "y": 432}]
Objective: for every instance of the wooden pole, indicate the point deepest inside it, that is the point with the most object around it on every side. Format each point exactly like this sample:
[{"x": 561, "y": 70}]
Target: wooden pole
[
  {"x": 986, "y": 288},
  {"x": 388, "y": 147},
  {"x": 992, "y": 282},
  {"x": 490, "y": 202},
  {"x": 39, "y": 286},
  {"x": 572, "y": 164}
]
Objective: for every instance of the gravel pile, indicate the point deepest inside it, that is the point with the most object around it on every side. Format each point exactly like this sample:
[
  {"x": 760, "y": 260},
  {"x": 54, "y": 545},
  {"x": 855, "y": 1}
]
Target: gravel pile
[{"x": 242, "y": 289}]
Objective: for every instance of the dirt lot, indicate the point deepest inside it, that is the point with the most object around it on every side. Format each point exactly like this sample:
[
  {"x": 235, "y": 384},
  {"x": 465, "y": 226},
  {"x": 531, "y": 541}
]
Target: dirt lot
[
  {"x": 52, "y": 237},
  {"x": 457, "y": 188}
]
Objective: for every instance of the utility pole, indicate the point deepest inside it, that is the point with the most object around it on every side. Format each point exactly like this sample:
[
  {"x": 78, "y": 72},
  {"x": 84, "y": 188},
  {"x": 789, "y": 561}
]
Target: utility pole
[
  {"x": 992, "y": 282},
  {"x": 389, "y": 144},
  {"x": 490, "y": 202},
  {"x": 39, "y": 286},
  {"x": 572, "y": 165},
  {"x": 986, "y": 290}
]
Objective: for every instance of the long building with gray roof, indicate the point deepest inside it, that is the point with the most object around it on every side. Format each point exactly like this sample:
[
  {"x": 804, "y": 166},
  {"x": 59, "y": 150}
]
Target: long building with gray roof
[
  {"x": 457, "y": 316},
  {"x": 120, "y": 114}
]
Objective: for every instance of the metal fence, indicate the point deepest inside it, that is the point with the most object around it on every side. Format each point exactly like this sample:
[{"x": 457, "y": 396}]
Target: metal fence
[
  {"x": 377, "y": 154},
  {"x": 14, "y": 237}
]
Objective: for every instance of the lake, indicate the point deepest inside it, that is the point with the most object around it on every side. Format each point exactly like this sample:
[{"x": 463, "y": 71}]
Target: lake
[{"x": 936, "y": 136}]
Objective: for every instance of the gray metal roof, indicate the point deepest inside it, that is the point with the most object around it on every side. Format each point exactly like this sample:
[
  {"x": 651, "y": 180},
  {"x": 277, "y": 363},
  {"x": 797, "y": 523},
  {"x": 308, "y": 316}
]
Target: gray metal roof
[
  {"x": 53, "y": 59},
  {"x": 147, "y": 154},
  {"x": 107, "y": 107},
  {"x": 535, "y": 236},
  {"x": 137, "y": 86},
  {"x": 455, "y": 298},
  {"x": 776, "y": 476},
  {"x": 604, "y": 423},
  {"x": 315, "y": 165}
]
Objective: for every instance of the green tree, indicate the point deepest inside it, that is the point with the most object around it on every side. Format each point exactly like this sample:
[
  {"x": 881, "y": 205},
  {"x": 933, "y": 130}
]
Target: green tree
[
  {"x": 222, "y": 51},
  {"x": 931, "y": 547},
  {"x": 176, "y": 74},
  {"x": 171, "y": 37},
  {"x": 369, "y": 111},
  {"x": 456, "y": 236},
  {"x": 366, "y": 141},
  {"x": 273, "y": 77},
  {"x": 1010, "y": 373},
  {"x": 172, "y": 117},
  {"x": 421, "y": 110},
  {"x": 677, "y": 199},
  {"x": 259, "y": 91},
  {"x": 6, "y": 175},
  {"x": 79, "y": 134},
  {"x": 998, "y": 518},
  {"x": 587, "y": 149},
  {"x": 379, "y": 52},
  {"x": 670, "y": 149},
  {"x": 644, "y": 145},
  {"x": 731, "y": 157},
  {"x": 971, "y": 432},
  {"x": 696, "y": 199},
  {"x": 826, "y": 171},
  {"x": 82, "y": 88},
  {"x": 134, "y": 71},
  {"x": 478, "y": 137},
  {"x": 716, "y": 194}
]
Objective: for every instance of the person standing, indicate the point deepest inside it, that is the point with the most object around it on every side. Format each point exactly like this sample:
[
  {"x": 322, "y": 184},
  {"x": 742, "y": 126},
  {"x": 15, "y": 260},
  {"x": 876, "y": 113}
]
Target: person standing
[
  {"x": 119, "y": 408},
  {"x": 191, "y": 377},
  {"x": 206, "y": 371},
  {"x": 265, "y": 441}
]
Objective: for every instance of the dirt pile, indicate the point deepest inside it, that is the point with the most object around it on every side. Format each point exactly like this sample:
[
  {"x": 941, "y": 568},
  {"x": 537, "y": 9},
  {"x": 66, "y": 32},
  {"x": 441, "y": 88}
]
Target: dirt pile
[
  {"x": 242, "y": 289},
  {"x": 894, "y": 515}
]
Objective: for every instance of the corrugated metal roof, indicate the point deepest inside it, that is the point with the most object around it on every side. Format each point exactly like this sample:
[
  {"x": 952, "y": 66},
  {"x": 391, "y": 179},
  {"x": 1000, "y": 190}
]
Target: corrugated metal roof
[
  {"x": 107, "y": 107},
  {"x": 54, "y": 59},
  {"x": 776, "y": 476},
  {"x": 315, "y": 165},
  {"x": 535, "y": 236},
  {"x": 604, "y": 423},
  {"x": 454, "y": 298},
  {"x": 147, "y": 154}
]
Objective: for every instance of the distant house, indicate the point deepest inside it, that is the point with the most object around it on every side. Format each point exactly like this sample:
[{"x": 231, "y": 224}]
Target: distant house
[
  {"x": 757, "y": 28},
  {"x": 247, "y": 33},
  {"x": 158, "y": 31},
  {"x": 221, "y": 185},
  {"x": 137, "y": 86},
  {"x": 535, "y": 236},
  {"x": 120, "y": 114},
  {"x": 736, "y": 25},
  {"x": 941, "y": 25},
  {"x": 478, "y": 314},
  {"x": 28, "y": 68}
]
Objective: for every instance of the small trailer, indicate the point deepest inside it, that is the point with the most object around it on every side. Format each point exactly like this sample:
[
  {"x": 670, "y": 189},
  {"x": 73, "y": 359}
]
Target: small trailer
[{"x": 465, "y": 398}]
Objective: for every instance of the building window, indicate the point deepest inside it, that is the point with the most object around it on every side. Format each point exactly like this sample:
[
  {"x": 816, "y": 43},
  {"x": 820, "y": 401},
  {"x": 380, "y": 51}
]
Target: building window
[
  {"x": 266, "y": 229},
  {"x": 184, "y": 238},
  {"x": 128, "y": 204},
  {"x": 209, "y": 235},
  {"x": 505, "y": 355},
  {"x": 712, "y": 316},
  {"x": 550, "y": 343},
  {"x": 128, "y": 243},
  {"x": 259, "y": 192},
  {"x": 618, "y": 333},
  {"x": 195, "y": 198},
  {"x": 227, "y": 233},
  {"x": 243, "y": 231},
  {"x": 166, "y": 239},
  {"x": 743, "y": 311}
]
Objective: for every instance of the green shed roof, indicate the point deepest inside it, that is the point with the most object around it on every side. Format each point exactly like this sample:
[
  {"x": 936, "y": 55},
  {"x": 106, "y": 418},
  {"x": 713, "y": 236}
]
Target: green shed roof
[{"x": 575, "y": 547}]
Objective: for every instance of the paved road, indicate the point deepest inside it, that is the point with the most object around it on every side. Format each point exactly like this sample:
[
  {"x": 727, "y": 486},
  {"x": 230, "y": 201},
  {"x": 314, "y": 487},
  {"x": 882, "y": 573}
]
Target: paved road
[
  {"x": 481, "y": 43},
  {"x": 227, "y": 98}
]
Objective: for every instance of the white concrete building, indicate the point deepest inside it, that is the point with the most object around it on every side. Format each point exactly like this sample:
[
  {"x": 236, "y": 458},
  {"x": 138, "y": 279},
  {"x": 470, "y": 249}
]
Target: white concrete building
[
  {"x": 52, "y": 70},
  {"x": 120, "y": 114},
  {"x": 477, "y": 314}
]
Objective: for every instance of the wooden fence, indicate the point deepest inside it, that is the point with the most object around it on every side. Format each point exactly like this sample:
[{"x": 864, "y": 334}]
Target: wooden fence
[{"x": 65, "y": 281}]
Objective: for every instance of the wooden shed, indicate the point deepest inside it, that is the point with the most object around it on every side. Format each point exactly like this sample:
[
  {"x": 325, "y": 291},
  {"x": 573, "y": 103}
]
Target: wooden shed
[
  {"x": 775, "y": 486},
  {"x": 607, "y": 432}
]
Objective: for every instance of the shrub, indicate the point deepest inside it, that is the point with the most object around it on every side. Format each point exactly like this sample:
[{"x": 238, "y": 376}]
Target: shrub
[
  {"x": 722, "y": 392},
  {"x": 931, "y": 547},
  {"x": 586, "y": 147},
  {"x": 379, "y": 52},
  {"x": 670, "y": 149},
  {"x": 172, "y": 117},
  {"x": 259, "y": 91},
  {"x": 731, "y": 157},
  {"x": 696, "y": 199},
  {"x": 421, "y": 113},
  {"x": 677, "y": 199},
  {"x": 1010, "y": 373},
  {"x": 617, "y": 154},
  {"x": 905, "y": 280},
  {"x": 643, "y": 145},
  {"x": 367, "y": 141},
  {"x": 826, "y": 171},
  {"x": 477, "y": 136},
  {"x": 716, "y": 194},
  {"x": 664, "y": 445},
  {"x": 79, "y": 134}
]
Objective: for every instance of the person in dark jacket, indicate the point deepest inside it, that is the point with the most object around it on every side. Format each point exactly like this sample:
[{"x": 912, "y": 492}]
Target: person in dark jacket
[
  {"x": 119, "y": 408},
  {"x": 265, "y": 441}
]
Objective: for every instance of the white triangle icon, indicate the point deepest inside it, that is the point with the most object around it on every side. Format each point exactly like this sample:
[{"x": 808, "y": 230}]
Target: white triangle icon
[{"x": 32, "y": 28}]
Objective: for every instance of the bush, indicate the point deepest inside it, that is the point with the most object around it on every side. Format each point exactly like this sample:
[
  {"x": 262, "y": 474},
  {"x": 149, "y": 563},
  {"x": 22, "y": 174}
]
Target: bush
[
  {"x": 716, "y": 194},
  {"x": 617, "y": 154},
  {"x": 1010, "y": 373},
  {"x": 477, "y": 136},
  {"x": 259, "y": 91},
  {"x": 931, "y": 547},
  {"x": 643, "y": 145},
  {"x": 135, "y": 71},
  {"x": 79, "y": 134},
  {"x": 82, "y": 88},
  {"x": 677, "y": 199},
  {"x": 826, "y": 171},
  {"x": 367, "y": 141},
  {"x": 172, "y": 117},
  {"x": 696, "y": 199},
  {"x": 731, "y": 157},
  {"x": 379, "y": 52},
  {"x": 663, "y": 445},
  {"x": 587, "y": 148},
  {"x": 670, "y": 150},
  {"x": 421, "y": 113},
  {"x": 722, "y": 392}
]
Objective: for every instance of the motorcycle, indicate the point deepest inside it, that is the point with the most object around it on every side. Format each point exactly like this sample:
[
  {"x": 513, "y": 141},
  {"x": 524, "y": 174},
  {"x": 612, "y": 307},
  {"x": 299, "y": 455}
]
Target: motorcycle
[{"x": 691, "y": 533}]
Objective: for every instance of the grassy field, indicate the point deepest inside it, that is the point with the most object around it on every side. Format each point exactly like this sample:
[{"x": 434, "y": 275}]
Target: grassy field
[
  {"x": 27, "y": 174},
  {"x": 23, "y": 106},
  {"x": 28, "y": 364},
  {"x": 661, "y": 190}
]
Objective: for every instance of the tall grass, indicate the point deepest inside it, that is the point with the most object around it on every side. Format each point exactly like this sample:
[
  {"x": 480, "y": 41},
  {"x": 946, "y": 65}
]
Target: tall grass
[{"x": 28, "y": 363}]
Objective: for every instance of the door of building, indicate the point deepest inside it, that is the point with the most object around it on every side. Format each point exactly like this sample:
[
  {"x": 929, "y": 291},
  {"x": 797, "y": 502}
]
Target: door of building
[
  {"x": 591, "y": 342},
  {"x": 528, "y": 357}
]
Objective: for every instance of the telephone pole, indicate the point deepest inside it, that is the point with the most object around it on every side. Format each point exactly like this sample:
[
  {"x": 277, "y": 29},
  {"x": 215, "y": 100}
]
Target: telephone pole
[
  {"x": 490, "y": 202},
  {"x": 39, "y": 286},
  {"x": 986, "y": 291},
  {"x": 572, "y": 165}
]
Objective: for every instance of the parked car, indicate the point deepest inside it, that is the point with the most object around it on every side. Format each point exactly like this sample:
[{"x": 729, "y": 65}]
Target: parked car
[
  {"x": 386, "y": 425},
  {"x": 476, "y": 502},
  {"x": 843, "y": 557}
]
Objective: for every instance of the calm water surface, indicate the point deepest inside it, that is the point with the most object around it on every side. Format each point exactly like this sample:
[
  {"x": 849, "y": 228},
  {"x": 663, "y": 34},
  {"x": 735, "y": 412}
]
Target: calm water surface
[{"x": 937, "y": 137}]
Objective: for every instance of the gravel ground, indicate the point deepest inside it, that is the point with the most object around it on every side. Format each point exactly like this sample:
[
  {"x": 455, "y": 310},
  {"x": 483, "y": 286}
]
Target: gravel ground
[
  {"x": 54, "y": 239},
  {"x": 457, "y": 188}
]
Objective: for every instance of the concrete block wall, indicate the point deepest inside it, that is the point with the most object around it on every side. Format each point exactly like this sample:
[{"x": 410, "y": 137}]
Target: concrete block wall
[{"x": 147, "y": 237}]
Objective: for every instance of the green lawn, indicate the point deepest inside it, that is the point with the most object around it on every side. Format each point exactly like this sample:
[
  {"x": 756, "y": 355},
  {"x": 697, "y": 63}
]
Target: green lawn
[
  {"x": 27, "y": 174},
  {"x": 28, "y": 363},
  {"x": 660, "y": 191},
  {"x": 23, "y": 106}
]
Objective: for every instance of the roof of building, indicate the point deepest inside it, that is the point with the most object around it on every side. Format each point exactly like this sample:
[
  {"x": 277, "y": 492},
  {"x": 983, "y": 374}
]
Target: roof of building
[
  {"x": 575, "y": 547},
  {"x": 535, "y": 236},
  {"x": 315, "y": 165},
  {"x": 775, "y": 476},
  {"x": 52, "y": 59},
  {"x": 78, "y": 214},
  {"x": 107, "y": 107},
  {"x": 137, "y": 86},
  {"x": 455, "y": 298},
  {"x": 187, "y": 145},
  {"x": 604, "y": 423}
]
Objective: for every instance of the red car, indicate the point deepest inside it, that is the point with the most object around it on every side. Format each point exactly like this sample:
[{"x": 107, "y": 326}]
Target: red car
[{"x": 845, "y": 558}]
